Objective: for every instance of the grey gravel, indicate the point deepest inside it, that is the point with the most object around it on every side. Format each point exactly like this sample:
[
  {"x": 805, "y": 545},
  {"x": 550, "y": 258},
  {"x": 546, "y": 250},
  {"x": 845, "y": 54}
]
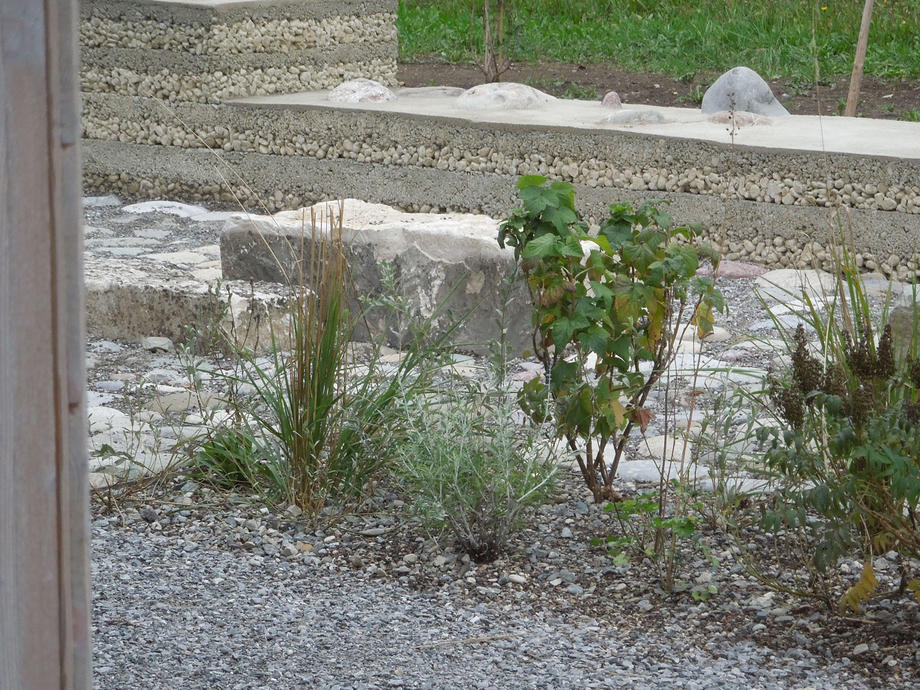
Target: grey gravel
[{"x": 166, "y": 616}]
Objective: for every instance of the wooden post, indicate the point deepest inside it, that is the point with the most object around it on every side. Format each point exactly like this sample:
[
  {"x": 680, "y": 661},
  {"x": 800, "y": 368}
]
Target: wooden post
[
  {"x": 858, "y": 60},
  {"x": 44, "y": 524}
]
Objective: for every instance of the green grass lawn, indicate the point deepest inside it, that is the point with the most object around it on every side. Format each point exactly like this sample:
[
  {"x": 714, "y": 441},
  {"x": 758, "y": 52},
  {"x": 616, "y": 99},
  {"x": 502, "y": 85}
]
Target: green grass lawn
[{"x": 777, "y": 38}]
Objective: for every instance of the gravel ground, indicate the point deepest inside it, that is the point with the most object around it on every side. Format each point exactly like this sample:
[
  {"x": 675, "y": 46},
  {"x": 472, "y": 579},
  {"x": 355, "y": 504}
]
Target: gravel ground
[{"x": 170, "y": 612}]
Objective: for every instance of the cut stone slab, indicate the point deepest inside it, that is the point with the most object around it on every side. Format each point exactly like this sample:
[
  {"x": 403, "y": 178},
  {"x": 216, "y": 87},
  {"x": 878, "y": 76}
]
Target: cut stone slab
[
  {"x": 651, "y": 470},
  {"x": 101, "y": 481},
  {"x": 184, "y": 400},
  {"x": 106, "y": 419},
  {"x": 132, "y": 304},
  {"x": 785, "y": 322},
  {"x": 732, "y": 379},
  {"x": 718, "y": 335},
  {"x": 703, "y": 478},
  {"x": 439, "y": 259},
  {"x": 179, "y": 258},
  {"x": 739, "y": 269},
  {"x": 663, "y": 446},
  {"x": 741, "y": 88},
  {"x": 106, "y": 201},
  {"x": 787, "y": 284},
  {"x": 174, "y": 208},
  {"x": 157, "y": 344}
]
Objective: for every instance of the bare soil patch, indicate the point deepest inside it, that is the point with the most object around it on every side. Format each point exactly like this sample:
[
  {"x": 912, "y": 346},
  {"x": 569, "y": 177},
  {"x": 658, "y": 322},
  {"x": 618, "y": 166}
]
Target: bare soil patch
[{"x": 879, "y": 98}]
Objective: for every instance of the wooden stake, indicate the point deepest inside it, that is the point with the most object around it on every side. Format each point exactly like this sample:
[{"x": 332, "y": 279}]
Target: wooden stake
[
  {"x": 856, "y": 77},
  {"x": 44, "y": 490}
]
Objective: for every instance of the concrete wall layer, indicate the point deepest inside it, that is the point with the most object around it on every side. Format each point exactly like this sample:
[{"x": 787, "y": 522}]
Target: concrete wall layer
[
  {"x": 209, "y": 52},
  {"x": 772, "y": 206}
]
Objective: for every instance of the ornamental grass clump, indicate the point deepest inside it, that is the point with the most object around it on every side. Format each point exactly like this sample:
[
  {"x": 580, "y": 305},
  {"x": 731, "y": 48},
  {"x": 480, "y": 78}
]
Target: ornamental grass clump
[
  {"x": 847, "y": 446},
  {"x": 608, "y": 311},
  {"x": 315, "y": 426}
]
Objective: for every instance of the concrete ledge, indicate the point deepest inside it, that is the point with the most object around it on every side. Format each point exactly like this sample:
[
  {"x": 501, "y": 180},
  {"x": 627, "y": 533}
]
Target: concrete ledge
[
  {"x": 211, "y": 79},
  {"x": 325, "y": 25},
  {"x": 208, "y": 12}
]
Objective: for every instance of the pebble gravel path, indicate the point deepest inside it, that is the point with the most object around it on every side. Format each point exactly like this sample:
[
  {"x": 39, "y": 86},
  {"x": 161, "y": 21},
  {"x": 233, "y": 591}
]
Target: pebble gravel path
[{"x": 173, "y": 613}]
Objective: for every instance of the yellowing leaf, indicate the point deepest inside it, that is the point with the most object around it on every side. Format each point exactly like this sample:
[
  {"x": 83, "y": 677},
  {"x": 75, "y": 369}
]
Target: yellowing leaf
[
  {"x": 914, "y": 586},
  {"x": 862, "y": 591},
  {"x": 882, "y": 541},
  {"x": 619, "y": 412},
  {"x": 654, "y": 331},
  {"x": 703, "y": 320}
]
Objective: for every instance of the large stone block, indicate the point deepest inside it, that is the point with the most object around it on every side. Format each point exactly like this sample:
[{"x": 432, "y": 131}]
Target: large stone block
[{"x": 446, "y": 265}]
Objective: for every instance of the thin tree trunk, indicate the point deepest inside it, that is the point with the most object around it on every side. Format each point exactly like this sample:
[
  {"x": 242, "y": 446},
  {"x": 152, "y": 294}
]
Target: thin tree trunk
[{"x": 856, "y": 77}]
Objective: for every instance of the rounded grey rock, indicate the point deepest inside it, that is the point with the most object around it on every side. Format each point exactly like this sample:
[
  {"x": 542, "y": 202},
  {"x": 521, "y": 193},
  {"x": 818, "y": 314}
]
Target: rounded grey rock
[{"x": 741, "y": 88}]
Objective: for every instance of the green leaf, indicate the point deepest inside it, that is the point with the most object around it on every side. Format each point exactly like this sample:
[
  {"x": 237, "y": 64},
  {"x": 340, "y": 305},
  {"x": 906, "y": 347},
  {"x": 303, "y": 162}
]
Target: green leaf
[
  {"x": 561, "y": 218},
  {"x": 526, "y": 181},
  {"x": 541, "y": 247},
  {"x": 621, "y": 347},
  {"x": 594, "y": 339},
  {"x": 580, "y": 413},
  {"x": 536, "y": 200},
  {"x": 616, "y": 234},
  {"x": 564, "y": 378},
  {"x": 601, "y": 292},
  {"x": 533, "y": 398},
  {"x": 562, "y": 331},
  {"x": 571, "y": 247}
]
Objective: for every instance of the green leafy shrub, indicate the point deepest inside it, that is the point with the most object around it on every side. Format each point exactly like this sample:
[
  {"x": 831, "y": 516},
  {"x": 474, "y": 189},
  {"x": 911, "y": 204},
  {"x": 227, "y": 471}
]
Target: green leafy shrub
[
  {"x": 848, "y": 444},
  {"x": 624, "y": 296},
  {"x": 641, "y": 523}
]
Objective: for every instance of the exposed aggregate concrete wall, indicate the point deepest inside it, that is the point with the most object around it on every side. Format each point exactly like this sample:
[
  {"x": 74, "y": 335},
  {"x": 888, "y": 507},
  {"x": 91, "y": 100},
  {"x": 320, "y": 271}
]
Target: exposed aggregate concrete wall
[
  {"x": 156, "y": 77},
  {"x": 211, "y": 52},
  {"x": 765, "y": 205}
]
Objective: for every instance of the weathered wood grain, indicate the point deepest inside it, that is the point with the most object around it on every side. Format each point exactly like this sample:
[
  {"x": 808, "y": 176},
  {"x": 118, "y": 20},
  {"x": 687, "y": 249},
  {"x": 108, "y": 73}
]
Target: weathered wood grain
[{"x": 44, "y": 577}]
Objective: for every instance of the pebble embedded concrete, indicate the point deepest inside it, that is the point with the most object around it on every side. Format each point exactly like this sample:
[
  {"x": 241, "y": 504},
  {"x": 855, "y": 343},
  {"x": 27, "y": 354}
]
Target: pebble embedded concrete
[
  {"x": 763, "y": 202},
  {"x": 207, "y": 53}
]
